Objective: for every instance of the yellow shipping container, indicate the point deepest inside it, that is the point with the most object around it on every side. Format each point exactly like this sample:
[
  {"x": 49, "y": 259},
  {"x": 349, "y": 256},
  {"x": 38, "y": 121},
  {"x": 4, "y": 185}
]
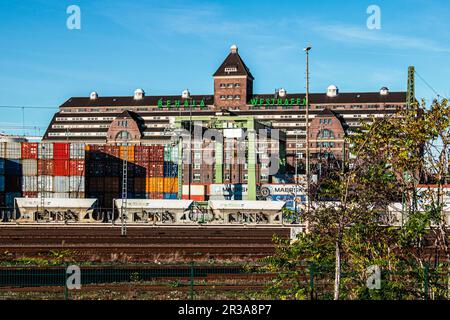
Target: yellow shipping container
[
  {"x": 130, "y": 155},
  {"x": 154, "y": 184},
  {"x": 170, "y": 185}
]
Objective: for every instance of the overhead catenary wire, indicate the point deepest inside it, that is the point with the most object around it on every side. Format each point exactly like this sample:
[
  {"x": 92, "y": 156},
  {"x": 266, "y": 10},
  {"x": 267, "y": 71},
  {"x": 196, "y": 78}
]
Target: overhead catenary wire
[{"x": 429, "y": 85}]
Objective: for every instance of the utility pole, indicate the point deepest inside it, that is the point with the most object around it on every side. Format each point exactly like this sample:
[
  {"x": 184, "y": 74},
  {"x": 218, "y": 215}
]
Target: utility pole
[{"x": 307, "y": 49}]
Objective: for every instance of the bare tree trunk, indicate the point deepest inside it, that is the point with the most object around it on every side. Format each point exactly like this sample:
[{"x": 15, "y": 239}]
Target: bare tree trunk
[{"x": 337, "y": 271}]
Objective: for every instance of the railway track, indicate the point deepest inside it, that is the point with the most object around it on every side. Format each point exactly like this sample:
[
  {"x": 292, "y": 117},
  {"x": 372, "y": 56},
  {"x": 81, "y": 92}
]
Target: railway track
[{"x": 141, "y": 243}]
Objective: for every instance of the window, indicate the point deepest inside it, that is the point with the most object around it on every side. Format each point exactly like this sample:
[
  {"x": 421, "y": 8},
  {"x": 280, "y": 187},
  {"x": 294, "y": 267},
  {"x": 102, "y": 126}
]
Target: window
[
  {"x": 325, "y": 134},
  {"x": 230, "y": 85},
  {"x": 237, "y": 97},
  {"x": 197, "y": 156},
  {"x": 123, "y": 123},
  {"x": 123, "y": 135},
  {"x": 197, "y": 177},
  {"x": 237, "y": 85},
  {"x": 197, "y": 166},
  {"x": 222, "y": 97},
  {"x": 229, "y": 97},
  {"x": 223, "y": 85}
]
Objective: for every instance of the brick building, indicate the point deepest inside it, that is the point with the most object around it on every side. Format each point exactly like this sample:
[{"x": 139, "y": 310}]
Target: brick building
[{"x": 145, "y": 119}]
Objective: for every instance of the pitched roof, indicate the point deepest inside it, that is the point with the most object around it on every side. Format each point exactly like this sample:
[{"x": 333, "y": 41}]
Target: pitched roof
[{"x": 233, "y": 60}]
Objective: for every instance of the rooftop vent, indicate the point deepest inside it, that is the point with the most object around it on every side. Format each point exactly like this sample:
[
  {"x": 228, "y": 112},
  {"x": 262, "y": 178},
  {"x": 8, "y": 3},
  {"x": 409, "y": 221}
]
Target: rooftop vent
[
  {"x": 93, "y": 95},
  {"x": 139, "y": 94},
  {"x": 282, "y": 93},
  {"x": 234, "y": 48},
  {"x": 186, "y": 94},
  {"x": 332, "y": 91},
  {"x": 384, "y": 91}
]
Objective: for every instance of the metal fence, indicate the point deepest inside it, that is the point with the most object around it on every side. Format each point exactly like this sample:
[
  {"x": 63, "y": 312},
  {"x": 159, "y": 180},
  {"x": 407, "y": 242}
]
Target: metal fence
[{"x": 206, "y": 281}]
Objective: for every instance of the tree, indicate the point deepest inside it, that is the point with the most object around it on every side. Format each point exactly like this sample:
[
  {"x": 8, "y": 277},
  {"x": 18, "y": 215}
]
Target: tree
[{"x": 391, "y": 156}]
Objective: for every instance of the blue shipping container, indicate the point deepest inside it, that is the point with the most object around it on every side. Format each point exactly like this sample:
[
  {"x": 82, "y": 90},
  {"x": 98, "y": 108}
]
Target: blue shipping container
[
  {"x": 2, "y": 166},
  {"x": 2, "y": 183},
  {"x": 13, "y": 167},
  {"x": 9, "y": 198},
  {"x": 170, "y": 196},
  {"x": 170, "y": 169}
]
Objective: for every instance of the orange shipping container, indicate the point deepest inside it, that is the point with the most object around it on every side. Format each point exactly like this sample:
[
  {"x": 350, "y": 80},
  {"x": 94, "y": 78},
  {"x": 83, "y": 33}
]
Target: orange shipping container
[
  {"x": 127, "y": 151},
  {"x": 170, "y": 185},
  {"x": 154, "y": 184}
]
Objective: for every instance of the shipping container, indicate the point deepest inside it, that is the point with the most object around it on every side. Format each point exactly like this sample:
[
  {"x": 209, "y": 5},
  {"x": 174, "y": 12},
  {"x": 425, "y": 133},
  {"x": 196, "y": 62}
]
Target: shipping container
[
  {"x": 29, "y": 150},
  {"x": 13, "y": 167},
  {"x": 2, "y": 200},
  {"x": 170, "y": 196},
  {"x": 9, "y": 198},
  {"x": 61, "y": 151},
  {"x": 77, "y": 151},
  {"x": 76, "y": 184},
  {"x": 2, "y": 183},
  {"x": 13, "y": 150},
  {"x": 61, "y": 184},
  {"x": 60, "y": 195},
  {"x": 30, "y": 167},
  {"x": 2, "y": 166},
  {"x": 95, "y": 168},
  {"x": 139, "y": 185},
  {"x": 156, "y": 153},
  {"x": 156, "y": 169},
  {"x": 13, "y": 183},
  {"x": 113, "y": 168},
  {"x": 194, "y": 197},
  {"x": 112, "y": 184},
  {"x": 45, "y": 151},
  {"x": 76, "y": 167},
  {"x": 142, "y": 153},
  {"x": 170, "y": 185},
  {"x": 95, "y": 184},
  {"x": 2, "y": 150},
  {"x": 77, "y": 195},
  {"x": 45, "y": 183},
  {"x": 45, "y": 167},
  {"x": 196, "y": 189},
  {"x": 61, "y": 167},
  {"x": 155, "y": 184},
  {"x": 127, "y": 152},
  {"x": 171, "y": 153},
  {"x": 170, "y": 169},
  {"x": 29, "y": 184},
  {"x": 112, "y": 151},
  {"x": 29, "y": 194},
  {"x": 155, "y": 195}
]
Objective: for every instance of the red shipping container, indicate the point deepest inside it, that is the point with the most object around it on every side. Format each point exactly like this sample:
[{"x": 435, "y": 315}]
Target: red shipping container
[
  {"x": 156, "y": 169},
  {"x": 193, "y": 197},
  {"x": 29, "y": 194},
  {"x": 113, "y": 151},
  {"x": 155, "y": 195},
  {"x": 29, "y": 150},
  {"x": 76, "y": 168},
  {"x": 45, "y": 167},
  {"x": 61, "y": 167},
  {"x": 157, "y": 153},
  {"x": 142, "y": 153},
  {"x": 61, "y": 151}
]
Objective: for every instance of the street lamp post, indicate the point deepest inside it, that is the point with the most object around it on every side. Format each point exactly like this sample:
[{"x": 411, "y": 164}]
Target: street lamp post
[{"x": 307, "y": 49}]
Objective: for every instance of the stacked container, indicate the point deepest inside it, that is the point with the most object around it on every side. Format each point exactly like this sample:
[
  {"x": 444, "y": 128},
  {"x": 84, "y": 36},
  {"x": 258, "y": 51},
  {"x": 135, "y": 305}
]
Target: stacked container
[{"x": 10, "y": 173}]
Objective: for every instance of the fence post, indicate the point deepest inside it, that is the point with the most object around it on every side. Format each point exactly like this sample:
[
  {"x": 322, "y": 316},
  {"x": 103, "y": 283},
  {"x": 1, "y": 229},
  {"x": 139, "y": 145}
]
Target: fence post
[
  {"x": 426, "y": 280},
  {"x": 191, "y": 281},
  {"x": 66, "y": 291},
  {"x": 311, "y": 280}
]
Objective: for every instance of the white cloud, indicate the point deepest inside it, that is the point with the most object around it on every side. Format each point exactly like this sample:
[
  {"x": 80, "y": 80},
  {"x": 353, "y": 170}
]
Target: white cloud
[{"x": 361, "y": 35}]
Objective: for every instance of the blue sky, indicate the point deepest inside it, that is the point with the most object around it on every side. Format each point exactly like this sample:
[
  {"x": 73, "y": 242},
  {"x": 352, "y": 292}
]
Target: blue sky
[{"x": 167, "y": 46}]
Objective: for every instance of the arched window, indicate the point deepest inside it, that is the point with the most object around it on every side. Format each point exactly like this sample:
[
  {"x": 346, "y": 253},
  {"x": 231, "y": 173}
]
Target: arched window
[
  {"x": 123, "y": 135},
  {"x": 325, "y": 134}
]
